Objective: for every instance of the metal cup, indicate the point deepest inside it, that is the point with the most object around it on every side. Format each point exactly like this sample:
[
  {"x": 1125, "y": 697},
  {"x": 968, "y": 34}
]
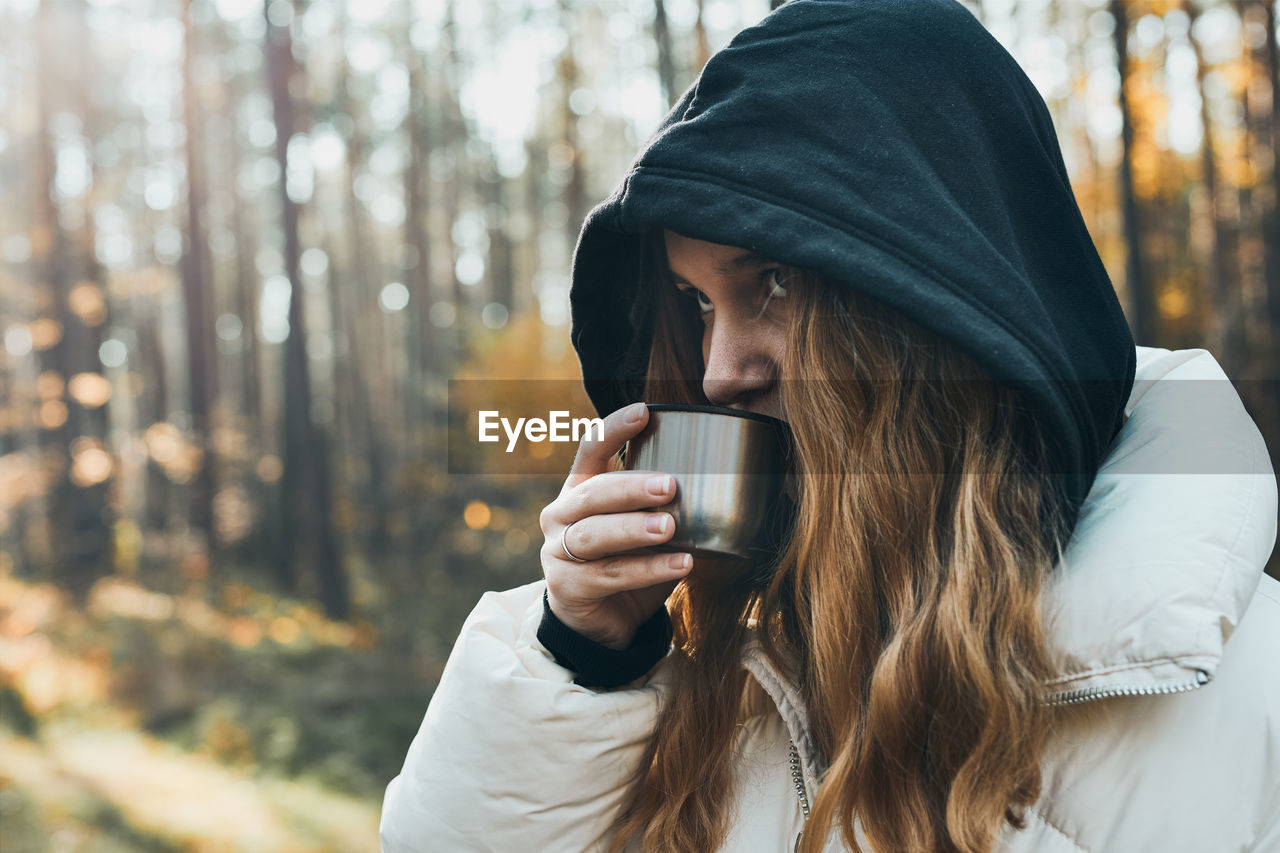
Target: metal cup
[{"x": 730, "y": 469}]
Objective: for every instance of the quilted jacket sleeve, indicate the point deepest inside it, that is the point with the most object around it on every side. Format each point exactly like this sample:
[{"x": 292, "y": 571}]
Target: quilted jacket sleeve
[
  {"x": 1266, "y": 748},
  {"x": 512, "y": 754}
]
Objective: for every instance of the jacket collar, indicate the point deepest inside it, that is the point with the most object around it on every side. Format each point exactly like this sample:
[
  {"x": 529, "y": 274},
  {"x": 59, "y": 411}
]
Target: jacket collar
[
  {"x": 1167, "y": 552},
  {"x": 1172, "y": 537}
]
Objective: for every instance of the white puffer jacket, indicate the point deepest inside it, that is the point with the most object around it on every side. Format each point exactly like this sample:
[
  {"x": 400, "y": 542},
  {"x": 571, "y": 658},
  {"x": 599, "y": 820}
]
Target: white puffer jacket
[{"x": 1162, "y": 621}]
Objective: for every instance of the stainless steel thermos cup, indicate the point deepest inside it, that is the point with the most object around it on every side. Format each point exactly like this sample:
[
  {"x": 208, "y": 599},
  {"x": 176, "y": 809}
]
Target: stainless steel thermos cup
[{"x": 730, "y": 468}]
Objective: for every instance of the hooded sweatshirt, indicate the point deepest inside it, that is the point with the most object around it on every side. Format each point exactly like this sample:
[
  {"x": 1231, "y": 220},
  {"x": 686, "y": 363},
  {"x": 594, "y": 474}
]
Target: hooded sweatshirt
[{"x": 894, "y": 148}]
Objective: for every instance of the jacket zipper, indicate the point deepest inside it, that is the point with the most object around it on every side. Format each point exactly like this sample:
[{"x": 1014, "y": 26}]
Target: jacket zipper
[
  {"x": 1086, "y": 694},
  {"x": 798, "y": 778}
]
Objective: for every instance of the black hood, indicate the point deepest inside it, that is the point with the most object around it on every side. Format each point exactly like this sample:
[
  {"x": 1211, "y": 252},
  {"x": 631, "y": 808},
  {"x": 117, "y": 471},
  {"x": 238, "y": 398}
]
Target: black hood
[{"x": 895, "y": 148}]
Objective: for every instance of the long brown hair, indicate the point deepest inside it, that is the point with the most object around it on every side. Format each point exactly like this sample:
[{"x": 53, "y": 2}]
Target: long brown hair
[{"x": 907, "y": 596}]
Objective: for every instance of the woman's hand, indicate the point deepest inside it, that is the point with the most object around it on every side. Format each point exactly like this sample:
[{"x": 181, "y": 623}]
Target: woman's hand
[{"x": 620, "y": 584}]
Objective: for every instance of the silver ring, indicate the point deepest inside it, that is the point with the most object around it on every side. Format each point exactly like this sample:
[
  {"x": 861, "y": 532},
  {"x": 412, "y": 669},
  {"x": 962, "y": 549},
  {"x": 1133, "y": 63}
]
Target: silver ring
[{"x": 564, "y": 546}]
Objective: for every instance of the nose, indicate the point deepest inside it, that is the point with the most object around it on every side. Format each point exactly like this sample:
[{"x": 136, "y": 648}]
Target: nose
[{"x": 740, "y": 369}]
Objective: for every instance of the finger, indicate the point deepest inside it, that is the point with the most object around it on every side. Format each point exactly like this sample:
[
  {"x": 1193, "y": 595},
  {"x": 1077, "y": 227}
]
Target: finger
[
  {"x": 599, "y": 536},
  {"x": 594, "y": 454},
  {"x": 612, "y": 492},
  {"x": 603, "y": 578}
]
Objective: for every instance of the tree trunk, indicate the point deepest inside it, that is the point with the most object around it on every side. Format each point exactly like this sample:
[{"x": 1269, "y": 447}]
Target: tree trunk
[
  {"x": 80, "y": 531},
  {"x": 1223, "y": 336},
  {"x": 455, "y": 138},
  {"x": 423, "y": 339},
  {"x": 153, "y": 406},
  {"x": 308, "y": 517},
  {"x": 246, "y": 292},
  {"x": 195, "y": 267},
  {"x": 1271, "y": 218},
  {"x": 501, "y": 261},
  {"x": 363, "y": 368},
  {"x": 701, "y": 46},
  {"x": 1140, "y": 314},
  {"x": 347, "y": 397},
  {"x": 575, "y": 193},
  {"x": 666, "y": 64}
]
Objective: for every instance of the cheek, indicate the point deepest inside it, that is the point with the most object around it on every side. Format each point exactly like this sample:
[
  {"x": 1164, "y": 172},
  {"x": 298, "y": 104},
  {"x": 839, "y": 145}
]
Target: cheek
[{"x": 775, "y": 342}]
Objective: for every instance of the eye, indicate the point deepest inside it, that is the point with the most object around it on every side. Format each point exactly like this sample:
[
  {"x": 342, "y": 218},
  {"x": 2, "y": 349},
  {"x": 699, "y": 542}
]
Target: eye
[
  {"x": 776, "y": 288},
  {"x": 699, "y": 298},
  {"x": 776, "y": 283}
]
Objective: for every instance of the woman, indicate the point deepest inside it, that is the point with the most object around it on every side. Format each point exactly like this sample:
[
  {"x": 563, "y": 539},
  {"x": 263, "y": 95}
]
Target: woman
[{"x": 1001, "y": 621}]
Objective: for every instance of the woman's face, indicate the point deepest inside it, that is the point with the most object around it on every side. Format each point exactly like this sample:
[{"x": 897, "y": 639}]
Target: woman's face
[{"x": 742, "y": 299}]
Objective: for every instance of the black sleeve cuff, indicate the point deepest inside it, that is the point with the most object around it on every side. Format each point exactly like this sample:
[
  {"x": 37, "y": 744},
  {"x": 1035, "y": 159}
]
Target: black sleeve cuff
[{"x": 601, "y": 666}]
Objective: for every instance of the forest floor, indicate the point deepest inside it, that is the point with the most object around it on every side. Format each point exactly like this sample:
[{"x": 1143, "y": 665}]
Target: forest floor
[
  {"x": 145, "y": 721},
  {"x": 111, "y": 789}
]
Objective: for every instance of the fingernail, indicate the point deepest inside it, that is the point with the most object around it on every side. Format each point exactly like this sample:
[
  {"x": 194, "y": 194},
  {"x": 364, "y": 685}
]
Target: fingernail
[
  {"x": 658, "y": 485},
  {"x": 680, "y": 561},
  {"x": 656, "y": 523},
  {"x": 635, "y": 413}
]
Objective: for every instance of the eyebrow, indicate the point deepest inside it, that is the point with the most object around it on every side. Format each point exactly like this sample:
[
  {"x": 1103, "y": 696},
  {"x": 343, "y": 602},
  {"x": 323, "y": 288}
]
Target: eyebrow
[{"x": 742, "y": 261}]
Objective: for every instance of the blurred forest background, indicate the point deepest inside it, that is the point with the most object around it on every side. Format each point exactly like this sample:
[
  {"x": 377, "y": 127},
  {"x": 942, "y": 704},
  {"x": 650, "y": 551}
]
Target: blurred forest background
[{"x": 247, "y": 244}]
